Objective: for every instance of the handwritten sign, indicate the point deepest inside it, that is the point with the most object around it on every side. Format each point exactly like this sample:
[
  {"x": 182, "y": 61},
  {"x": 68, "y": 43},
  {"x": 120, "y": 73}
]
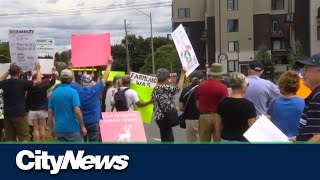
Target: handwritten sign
[
  {"x": 143, "y": 80},
  {"x": 22, "y": 44},
  {"x": 186, "y": 53},
  {"x": 45, "y": 50},
  {"x": 90, "y": 49},
  {"x": 123, "y": 126}
]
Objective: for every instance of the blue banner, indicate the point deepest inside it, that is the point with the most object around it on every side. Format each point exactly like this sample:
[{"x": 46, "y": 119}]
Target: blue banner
[{"x": 160, "y": 161}]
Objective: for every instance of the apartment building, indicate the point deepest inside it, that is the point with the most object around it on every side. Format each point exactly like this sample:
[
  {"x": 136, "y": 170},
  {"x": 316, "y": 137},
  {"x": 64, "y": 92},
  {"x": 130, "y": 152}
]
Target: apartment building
[{"x": 230, "y": 31}]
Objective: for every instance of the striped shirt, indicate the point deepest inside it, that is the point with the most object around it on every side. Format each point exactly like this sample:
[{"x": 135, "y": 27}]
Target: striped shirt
[{"x": 310, "y": 118}]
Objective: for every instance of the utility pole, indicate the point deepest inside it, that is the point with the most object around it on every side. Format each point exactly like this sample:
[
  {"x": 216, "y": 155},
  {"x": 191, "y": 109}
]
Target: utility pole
[
  {"x": 152, "y": 49},
  {"x": 127, "y": 48}
]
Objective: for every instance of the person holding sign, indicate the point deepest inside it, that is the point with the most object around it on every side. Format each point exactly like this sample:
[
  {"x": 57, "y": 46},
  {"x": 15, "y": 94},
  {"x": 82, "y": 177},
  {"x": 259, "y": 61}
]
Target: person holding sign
[
  {"x": 163, "y": 97},
  {"x": 90, "y": 102},
  {"x": 15, "y": 116}
]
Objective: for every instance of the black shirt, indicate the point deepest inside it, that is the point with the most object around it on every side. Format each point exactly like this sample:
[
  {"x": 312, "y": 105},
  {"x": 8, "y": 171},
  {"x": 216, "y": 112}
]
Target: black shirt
[
  {"x": 310, "y": 118},
  {"x": 14, "y": 96},
  {"x": 235, "y": 113},
  {"x": 191, "y": 111}
]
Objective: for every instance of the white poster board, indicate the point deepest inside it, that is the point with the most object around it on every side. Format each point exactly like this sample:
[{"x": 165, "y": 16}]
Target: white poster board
[
  {"x": 22, "y": 44},
  {"x": 263, "y": 130},
  {"x": 4, "y": 68},
  {"x": 45, "y": 50},
  {"x": 143, "y": 80},
  {"x": 185, "y": 50}
]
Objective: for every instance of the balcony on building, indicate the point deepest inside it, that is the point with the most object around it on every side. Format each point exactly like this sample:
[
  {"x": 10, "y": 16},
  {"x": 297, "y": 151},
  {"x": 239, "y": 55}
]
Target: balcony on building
[
  {"x": 203, "y": 36},
  {"x": 277, "y": 34},
  {"x": 279, "y": 48},
  {"x": 289, "y": 22}
]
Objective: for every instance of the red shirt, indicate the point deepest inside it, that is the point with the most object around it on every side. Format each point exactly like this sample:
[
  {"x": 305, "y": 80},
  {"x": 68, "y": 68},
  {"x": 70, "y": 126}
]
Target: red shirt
[{"x": 209, "y": 94}]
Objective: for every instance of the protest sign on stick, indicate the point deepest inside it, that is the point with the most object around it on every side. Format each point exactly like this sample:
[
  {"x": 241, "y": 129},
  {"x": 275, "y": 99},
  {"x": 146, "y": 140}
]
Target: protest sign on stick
[
  {"x": 89, "y": 50},
  {"x": 45, "y": 50},
  {"x": 125, "y": 126},
  {"x": 22, "y": 44},
  {"x": 185, "y": 50}
]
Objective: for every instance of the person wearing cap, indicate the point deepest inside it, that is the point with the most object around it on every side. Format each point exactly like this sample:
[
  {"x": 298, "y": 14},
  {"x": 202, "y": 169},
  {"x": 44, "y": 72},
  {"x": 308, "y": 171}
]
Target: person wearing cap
[
  {"x": 188, "y": 106},
  {"x": 15, "y": 116},
  {"x": 309, "y": 125},
  {"x": 64, "y": 114},
  {"x": 208, "y": 95},
  {"x": 260, "y": 91},
  {"x": 37, "y": 103},
  {"x": 89, "y": 94}
]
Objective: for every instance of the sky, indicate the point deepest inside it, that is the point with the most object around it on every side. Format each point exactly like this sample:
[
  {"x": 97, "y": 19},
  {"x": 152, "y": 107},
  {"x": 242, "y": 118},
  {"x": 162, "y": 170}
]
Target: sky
[{"x": 59, "y": 19}]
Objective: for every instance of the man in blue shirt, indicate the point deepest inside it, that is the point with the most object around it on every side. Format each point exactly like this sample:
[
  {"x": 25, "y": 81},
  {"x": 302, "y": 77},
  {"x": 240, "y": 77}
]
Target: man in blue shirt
[
  {"x": 90, "y": 103},
  {"x": 260, "y": 91},
  {"x": 64, "y": 107}
]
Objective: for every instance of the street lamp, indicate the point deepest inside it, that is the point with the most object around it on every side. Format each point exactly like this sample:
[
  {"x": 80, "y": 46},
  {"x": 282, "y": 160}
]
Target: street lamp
[{"x": 152, "y": 49}]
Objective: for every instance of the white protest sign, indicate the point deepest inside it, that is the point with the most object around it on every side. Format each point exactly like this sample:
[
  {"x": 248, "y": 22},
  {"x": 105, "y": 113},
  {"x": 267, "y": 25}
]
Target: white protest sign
[
  {"x": 263, "y": 130},
  {"x": 4, "y": 68},
  {"x": 143, "y": 80},
  {"x": 22, "y": 43},
  {"x": 45, "y": 50},
  {"x": 186, "y": 53}
]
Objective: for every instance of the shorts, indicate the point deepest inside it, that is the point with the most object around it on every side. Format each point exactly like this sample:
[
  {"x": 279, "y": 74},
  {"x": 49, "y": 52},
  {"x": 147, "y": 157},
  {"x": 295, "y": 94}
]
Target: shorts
[
  {"x": 35, "y": 115},
  {"x": 16, "y": 128}
]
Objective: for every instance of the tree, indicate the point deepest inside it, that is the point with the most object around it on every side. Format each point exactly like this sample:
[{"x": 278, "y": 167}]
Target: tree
[
  {"x": 4, "y": 51},
  {"x": 263, "y": 55},
  {"x": 295, "y": 54},
  {"x": 119, "y": 57},
  {"x": 165, "y": 57}
]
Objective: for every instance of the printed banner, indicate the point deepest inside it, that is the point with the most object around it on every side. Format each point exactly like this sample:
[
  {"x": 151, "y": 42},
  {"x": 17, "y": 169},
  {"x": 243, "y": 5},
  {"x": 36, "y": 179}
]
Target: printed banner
[
  {"x": 90, "y": 49},
  {"x": 22, "y": 44},
  {"x": 123, "y": 126},
  {"x": 186, "y": 53},
  {"x": 143, "y": 80},
  {"x": 45, "y": 50}
]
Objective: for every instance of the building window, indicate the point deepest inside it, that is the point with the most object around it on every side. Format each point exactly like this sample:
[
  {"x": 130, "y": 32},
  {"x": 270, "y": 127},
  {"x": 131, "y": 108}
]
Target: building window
[
  {"x": 187, "y": 29},
  {"x": 184, "y": 12},
  {"x": 233, "y": 65},
  {"x": 275, "y": 26},
  {"x": 232, "y": 5},
  {"x": 233, "y": 46},
  {"x": 318, "y": 33},
  {"x": 278, "y": 45},
  {"x": 277, "y": 4},
  {"x": 233, "y": 25}
]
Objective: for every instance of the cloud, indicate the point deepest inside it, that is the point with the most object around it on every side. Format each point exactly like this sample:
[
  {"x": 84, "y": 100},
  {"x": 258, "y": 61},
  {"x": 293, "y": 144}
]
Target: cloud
[{"x": 59, "y": 19}]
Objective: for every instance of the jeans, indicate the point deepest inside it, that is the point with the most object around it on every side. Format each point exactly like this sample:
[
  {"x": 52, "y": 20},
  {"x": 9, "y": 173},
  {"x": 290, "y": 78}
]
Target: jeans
[
  {"x": 93, "y": 132},
  {"x": 69, "y": 137}
]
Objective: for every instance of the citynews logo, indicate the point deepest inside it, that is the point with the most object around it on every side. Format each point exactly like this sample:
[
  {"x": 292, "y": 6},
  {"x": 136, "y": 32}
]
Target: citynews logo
[{"x": 40, "y": 160}]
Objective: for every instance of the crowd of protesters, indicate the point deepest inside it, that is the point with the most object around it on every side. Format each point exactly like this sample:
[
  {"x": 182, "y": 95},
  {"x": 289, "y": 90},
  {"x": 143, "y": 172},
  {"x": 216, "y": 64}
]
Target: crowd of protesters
[{"x": 212, "y": 110}]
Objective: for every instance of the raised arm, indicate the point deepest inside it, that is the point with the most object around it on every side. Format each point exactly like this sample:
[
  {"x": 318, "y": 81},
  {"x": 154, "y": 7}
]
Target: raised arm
[
  {"x": 37, "y": 81},
  {"x": 4, "y": 76},
  {"x": 108, "y": 69},
  {"x": 181, "y": 79}
]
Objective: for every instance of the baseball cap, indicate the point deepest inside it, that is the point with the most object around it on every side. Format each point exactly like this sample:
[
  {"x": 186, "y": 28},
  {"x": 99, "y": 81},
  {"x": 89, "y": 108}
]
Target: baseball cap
[
  {"x": 197, "y": 75},
  {"x": 86, "y": 78},
  {"x": 66, "y": 73},
  {"x": 311, "y": 61},
  {"x": 256, "y": 65}
]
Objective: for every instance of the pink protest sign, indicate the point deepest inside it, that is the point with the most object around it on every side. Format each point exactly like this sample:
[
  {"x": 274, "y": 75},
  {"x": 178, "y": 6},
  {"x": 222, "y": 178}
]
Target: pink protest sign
[
  {"x": 89, "y": 50},
  {"x": 123, "y": 126}
]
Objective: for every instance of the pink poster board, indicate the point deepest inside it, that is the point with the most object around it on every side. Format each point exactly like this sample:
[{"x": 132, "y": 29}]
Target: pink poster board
[
  {"x": 122, "y": 127},
  {"x": 89, "y": 50}
]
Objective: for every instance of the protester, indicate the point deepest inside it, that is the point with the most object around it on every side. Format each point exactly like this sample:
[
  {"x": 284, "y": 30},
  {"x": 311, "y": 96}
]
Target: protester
[
  {"x": 125, "y": 98},
  {"x": 188, "y": 106},
  {"x": 163, "y": 98},
  {"x": 260, "y": 91},
  {"x": 235, "y": 113},
  {"x": 208, "y": 95},
  {"x": 109, "y": 94},
  {"x": 90, "y": 102},
  {"x": 285, "y": 112},
  {"x": 37, "y": 103},
  {"x": 309, "y": 126},
  {"x": 64, "y": 107},
  {"x": 49, "y": 91},
  {"x": 15, "y": 115},
  {"x": 1, "y": 117}
]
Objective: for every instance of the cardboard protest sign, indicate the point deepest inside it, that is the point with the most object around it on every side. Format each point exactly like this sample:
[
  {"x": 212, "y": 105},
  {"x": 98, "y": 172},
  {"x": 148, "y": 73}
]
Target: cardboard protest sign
[
  {"x": 143, "y": 80},
  {"x": 45, "y": 50},
  {"x": 124, "y": 126},
  {"x": 186, "y": 53},
  {"x": 113, "y": 74},
  {"x": 89, "y": 50},
  {"x": 22, "y": 44}
]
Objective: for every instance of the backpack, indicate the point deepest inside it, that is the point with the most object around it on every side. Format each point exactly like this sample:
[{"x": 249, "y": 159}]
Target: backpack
[{"x": 120, "y": 100}]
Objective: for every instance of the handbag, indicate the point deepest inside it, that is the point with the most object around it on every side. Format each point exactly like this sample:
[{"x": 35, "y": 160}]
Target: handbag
[
  {"x": 171, "y": 117},
  {"x": 182, "y": 120}
]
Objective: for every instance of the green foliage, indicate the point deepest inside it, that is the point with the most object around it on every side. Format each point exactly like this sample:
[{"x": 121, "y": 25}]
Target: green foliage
[
  {"x": 295, "y": 54},
  {"x": 119, "y": 57},
  {"x": 4, "y": 50},
  {"x": 165, "y": 57},
  {"x": 263, "y": 55}
]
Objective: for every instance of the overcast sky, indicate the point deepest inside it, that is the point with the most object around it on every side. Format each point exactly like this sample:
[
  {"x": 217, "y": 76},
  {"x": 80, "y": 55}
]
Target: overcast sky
[{"x": 59, "y": 19}]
